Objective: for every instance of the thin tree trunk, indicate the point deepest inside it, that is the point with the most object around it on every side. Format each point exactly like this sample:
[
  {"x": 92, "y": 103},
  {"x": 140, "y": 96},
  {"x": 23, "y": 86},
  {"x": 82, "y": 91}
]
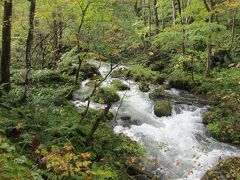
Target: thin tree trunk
[
  {"x": 209, "y": 44},
  {"x": 55, "y": 40},
  {"x": 80, "y": 60},
  {"x": 96, "y": 124},
  {"x": 174, "y": 13},
  {"x": 29, "y": 47},
  {"x": 162, "y": 14},
  {"x": 156, "y": 20},
  {"x": 233, "y": 28},
  {"x": 6, "y": 46},
  {"x": 150, "y": 19},
  {"x": 183, "y": 30}
]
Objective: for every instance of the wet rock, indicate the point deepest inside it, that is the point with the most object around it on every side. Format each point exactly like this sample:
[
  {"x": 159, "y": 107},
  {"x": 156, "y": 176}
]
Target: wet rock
[
  {"x": 162, "y": 108},
  {"x": 144, "y": 86},
  {"x": 119, "y": 85},
  {"x": 125, "y": 118}
]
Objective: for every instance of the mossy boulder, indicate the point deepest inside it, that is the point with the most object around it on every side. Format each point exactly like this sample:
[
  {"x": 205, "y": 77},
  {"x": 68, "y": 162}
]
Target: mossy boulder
[
  {"x": 143, "y": 86},
  {"x": 162, "y": 108},
  {"x": 50, "y": 77},
  {"x": 122, "y": 73},
  {"x": 226, "y": 169},
  {"x": 119, "y": 85},
  {"x": 209, "y": 117},
  {"x": 159, "y": 92},
  {"x": 157, "y": 66},
  {"x": 160, "y": 79},
  {"x": 89, "y": 71},
  {"x": 181, "y": 81},
  {"x": 106, "y": 96}
]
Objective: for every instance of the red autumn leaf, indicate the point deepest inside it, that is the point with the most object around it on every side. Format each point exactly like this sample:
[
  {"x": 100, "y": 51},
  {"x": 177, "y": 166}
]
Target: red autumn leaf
[{"x": 178, "y": 163}]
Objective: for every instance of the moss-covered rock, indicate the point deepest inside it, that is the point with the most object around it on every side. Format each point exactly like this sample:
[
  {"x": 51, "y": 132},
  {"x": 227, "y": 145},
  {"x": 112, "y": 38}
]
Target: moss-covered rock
[
  {"x": 122, "y": 73},
  {"x": 118, "y": 85},
  {"x": 159, "y": 92},
  {"x": 162, "y": 108},
  {"x": 106, "y": 96},
  {"x": 181, "y": 83},
  {"x": 89, "y": 71},
  {"x": 160, "y": 79},
  {"x": 143, "y": 86},
  {"x": 226, "y": 169},
  {"x": 209, "y": 117}
]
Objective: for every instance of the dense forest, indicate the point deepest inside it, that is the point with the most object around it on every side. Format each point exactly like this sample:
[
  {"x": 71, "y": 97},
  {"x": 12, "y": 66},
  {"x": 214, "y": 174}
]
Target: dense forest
[{"x": 120, "y": 89}]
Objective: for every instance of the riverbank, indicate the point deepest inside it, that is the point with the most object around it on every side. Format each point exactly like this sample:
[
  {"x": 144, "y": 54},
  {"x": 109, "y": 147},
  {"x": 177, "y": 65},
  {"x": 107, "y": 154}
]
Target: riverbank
[{"x": 33, "y": 133}]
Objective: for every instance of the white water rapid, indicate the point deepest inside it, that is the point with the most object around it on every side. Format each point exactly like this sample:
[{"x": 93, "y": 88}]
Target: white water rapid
[{"x": 178, "y": 142}]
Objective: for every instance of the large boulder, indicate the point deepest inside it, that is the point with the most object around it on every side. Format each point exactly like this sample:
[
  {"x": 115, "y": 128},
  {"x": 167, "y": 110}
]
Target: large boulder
[
  {"x": 122, "y": 73},
  {"x": 160, "y": 79},
  {"x": 209, "y": 117},
  {"x": 89, "y": 71},
  {"x": 106, "y": 96},
  {"x": 221, "y": 57},
  {"x": 144, "y": 86},
  {"x": 181, "y": 83},
  {"x": 158, "y": 93},
  {"x": 162, "y": 108},
  {"x": 119, "y": 86}
]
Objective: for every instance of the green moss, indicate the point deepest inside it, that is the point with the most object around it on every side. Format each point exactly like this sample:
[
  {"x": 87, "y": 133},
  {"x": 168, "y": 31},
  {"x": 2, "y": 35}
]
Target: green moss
[
  {"x": 143, "y": 86},
  {"x": 209, "y": 117},
  {"x": 119, "y": 86},
  {"x": 159, "y": 92},
  {"x": 162, "y": 108},
  {"x": 226, "y": 169},
  {"x": 160, "y": 79},
  {"x": 106, "y": 96},
  {"x": 89, "y": 71}
]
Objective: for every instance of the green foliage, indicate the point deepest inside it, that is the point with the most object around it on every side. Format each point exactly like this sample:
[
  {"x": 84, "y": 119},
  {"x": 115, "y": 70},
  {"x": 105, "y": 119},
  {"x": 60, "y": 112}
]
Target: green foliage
[{"x": 14, "y": 165}]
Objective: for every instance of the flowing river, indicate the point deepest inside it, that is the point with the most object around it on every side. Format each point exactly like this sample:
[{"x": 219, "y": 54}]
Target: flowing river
[{"x": 177, "y": 144}]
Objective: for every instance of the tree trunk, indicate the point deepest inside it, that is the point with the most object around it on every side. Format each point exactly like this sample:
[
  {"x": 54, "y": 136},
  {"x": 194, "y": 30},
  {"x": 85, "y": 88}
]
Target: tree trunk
[
  {"x": 183, "y": 30},
  {"x": 162, "y": 14},
  {"x": 174, "y": 13},
  {"x": 209, "y": 44},
  {"x": 96, "y": 124},
  {"x": 55, "y": 40},
  {"x": 80, "y": 60},
  {"x": 150, "y": 19},
  {"x": 209, "y": 58},
  {"x": 6, "y": 46},
  {"x": 233, "y": 28},
  {"x": 156, "y": 20},
  {"x": 29, "y": 47}
]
